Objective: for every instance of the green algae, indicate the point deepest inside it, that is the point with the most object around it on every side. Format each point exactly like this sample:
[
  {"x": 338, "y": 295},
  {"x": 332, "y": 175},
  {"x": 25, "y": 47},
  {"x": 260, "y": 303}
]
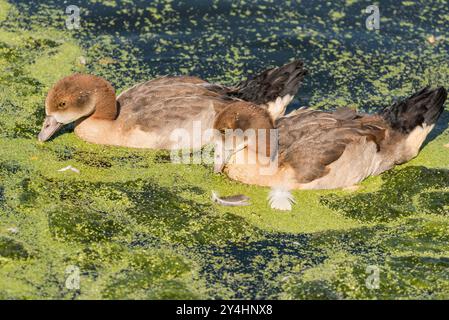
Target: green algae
[
  {"x": 4, "y": 8},
  {"x": 9, "y": 248},
  {"x": 139, "y": 227},
  {"x": 25, "y": 60},
  {"x": 411, "y": 258},
  {"x": 396, "y": 196}
]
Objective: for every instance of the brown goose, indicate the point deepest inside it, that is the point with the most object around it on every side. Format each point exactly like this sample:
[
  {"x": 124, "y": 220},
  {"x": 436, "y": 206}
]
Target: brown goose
[
  {"x": 323, "y": 150},
  {"x": 145, "y": 115}
]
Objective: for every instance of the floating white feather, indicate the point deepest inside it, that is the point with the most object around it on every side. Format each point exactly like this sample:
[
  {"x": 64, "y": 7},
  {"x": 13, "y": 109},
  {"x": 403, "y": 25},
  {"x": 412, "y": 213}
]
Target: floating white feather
[
  {"x": 13, "y": 230},
  {"x": 69, "y": 168},
  {"x": 234, "y": 201},
  {"x": 280, "y": 198}
]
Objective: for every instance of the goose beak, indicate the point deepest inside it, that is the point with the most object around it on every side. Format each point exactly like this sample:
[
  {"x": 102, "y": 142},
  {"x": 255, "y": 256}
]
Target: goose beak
[{"x": 49, "y": 128}]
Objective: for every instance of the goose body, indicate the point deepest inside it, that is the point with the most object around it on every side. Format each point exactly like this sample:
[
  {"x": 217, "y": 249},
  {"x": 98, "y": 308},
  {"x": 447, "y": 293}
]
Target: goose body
[
  {"x": 151, "y": 111},
  {"x": 328, "y": 150},
  {"x": 157, "y": 113},
  {"x": 320, "y": 150}
]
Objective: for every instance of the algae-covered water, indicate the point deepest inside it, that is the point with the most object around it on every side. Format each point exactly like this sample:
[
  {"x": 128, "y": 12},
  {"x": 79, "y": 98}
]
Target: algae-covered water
[{"x": 134, "y": 226}]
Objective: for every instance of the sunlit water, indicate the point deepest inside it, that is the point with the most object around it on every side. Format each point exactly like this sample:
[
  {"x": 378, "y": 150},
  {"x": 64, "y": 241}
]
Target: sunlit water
[{"x": 229, "y": 40}]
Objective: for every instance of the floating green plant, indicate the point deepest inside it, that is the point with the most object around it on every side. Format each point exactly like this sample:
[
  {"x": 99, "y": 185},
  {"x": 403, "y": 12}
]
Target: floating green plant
[{"x": 138, "y": 227}]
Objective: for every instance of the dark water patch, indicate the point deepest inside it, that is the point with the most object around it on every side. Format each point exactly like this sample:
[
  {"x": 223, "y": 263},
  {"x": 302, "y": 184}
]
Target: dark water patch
[
  {"x": 19, "y": 57},
  {"x": 40, "y": 44},
  {"x": 362, "y": 242},
  {"x": 419, "y": 277},
  {"x": 434, "y": 202},
  {"x": 16, "y": 122},
  {"x": 96, "y": 159},
  {"x": 313, "y": 290},
  {"x": 145, "y": 240},
  {"x": 440, "y": 127},
  {"x": 186, "y": 156},
  {"x": 9, "y": 53},
  {"x": 257, "y": 267},
  {"x": 132, "y": 160},
  {"x": 163, "y": 212},
  {"x": 150, "y": 275},
  {"x": 37, "y": 119},
  {"x": 85, "y": 224},
  {"x": 275, "y": 265},
  {"x": 92, "y": 159},
  {"x": 162, "y": 157},
  {"x": 15, "y": 183},
  {"x": 422, "y": 264},
  {"x": 19, "y": 181},
  {"x": 184, "y": 220},
  {"x": 24, "y": 83},
  {"x": 11, "y": 167},
  {"x": 316, "y": 250},
  {"x": 94, "y": 258},
  {"x": 227, "y": 41},
  {"x": 28, "y": 195},
  {"x": 20, "y": 118},
  {"x": 66, "y": 153},
  {"x": 409, "y": 257},
  {"x": 12, "y": 123},
  {"x": 63, "y": 153},
  {"x": 395, "y": 197},
  {"x": 10, "y": 248},
  {"x": 23, "y": 130}
]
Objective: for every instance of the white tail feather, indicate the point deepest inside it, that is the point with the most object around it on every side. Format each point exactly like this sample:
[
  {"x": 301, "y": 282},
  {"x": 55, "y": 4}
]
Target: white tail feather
[
  {"x": 277, "y": 108},
  {"x": 280, "y": 198}
]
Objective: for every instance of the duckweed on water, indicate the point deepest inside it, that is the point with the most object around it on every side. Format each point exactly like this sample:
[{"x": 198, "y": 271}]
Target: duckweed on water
[
  {"x": 397, "y": 195},
  {"x": 140, "y": 227}
]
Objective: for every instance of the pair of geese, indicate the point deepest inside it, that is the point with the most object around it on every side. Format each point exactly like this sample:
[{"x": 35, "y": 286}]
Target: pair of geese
[{"x": 314, "y": 149}]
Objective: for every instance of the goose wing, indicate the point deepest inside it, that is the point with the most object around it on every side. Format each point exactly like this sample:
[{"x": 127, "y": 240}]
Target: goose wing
[
  {"x": 310, "y": 141},
  {"x": 168, "y": 101}
]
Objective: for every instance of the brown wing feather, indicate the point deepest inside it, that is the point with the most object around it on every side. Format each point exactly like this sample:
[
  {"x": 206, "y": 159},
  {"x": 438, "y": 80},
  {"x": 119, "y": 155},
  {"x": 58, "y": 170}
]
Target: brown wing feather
[
  {"x": 312, "y": 140},
  {"x": 168, "y": 101}
]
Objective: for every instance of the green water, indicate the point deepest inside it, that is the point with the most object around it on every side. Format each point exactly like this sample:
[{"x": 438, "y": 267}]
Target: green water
[{"x": 137, "y": 226}]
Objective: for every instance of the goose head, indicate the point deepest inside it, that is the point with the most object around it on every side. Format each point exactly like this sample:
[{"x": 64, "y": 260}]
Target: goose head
[
  {"x": 74, "y": 98},
  {"x": 243, "y": 129}
]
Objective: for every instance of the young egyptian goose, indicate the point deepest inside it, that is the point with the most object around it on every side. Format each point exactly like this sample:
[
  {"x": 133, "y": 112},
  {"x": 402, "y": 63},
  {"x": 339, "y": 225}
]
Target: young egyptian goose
[
  {"x": 146, "y": 115},
  {"x": 322, "y": 150}
]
